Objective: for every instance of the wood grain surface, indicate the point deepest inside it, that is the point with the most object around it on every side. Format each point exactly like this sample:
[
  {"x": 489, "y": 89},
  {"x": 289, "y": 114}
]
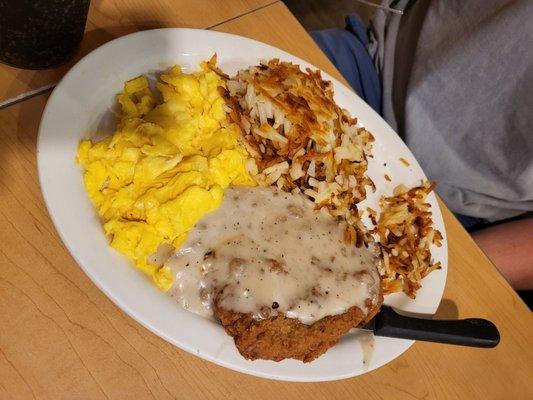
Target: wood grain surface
[
  {"x": 61, "y": 338},
  {"x": 109, "y": 19}
]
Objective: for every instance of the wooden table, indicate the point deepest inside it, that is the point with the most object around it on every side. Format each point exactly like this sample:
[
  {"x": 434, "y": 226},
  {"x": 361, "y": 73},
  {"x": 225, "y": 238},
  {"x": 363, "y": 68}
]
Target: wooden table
[{"x": 61, "y": 338}]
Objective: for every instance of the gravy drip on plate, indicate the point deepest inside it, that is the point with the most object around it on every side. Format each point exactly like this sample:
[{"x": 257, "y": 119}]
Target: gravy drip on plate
[{"x": 267, "y": 252}]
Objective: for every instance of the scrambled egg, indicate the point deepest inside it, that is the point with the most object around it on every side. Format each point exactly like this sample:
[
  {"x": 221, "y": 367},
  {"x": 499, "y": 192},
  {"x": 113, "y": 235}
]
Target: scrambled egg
[{"x": 165, "y": 167}]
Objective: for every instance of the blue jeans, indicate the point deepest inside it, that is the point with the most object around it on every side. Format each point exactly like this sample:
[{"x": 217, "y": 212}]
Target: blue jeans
[{"x": 346, "y": 49}]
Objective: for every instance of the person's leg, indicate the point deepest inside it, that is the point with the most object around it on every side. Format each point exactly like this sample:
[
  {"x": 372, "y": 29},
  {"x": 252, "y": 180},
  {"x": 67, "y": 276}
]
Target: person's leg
[{"x": 510, "y": 247}]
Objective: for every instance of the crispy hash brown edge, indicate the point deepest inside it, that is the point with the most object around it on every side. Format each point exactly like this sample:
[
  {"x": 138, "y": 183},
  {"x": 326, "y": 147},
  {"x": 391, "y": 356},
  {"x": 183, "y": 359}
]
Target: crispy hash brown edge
[
  {"x": 301, "y": 140},
  {"x": 405, "y": 234}
]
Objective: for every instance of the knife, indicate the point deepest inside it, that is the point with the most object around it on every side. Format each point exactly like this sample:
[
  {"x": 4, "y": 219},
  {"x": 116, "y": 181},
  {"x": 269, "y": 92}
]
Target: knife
[{"x": 473, "y": 332}]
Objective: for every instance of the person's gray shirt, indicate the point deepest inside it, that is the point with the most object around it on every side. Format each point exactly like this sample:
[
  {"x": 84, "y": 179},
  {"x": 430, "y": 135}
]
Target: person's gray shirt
[{"x": 458, "y": 86}]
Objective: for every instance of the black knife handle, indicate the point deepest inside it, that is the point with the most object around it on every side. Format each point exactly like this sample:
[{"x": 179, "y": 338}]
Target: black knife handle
[{"x": 475, "y": 332}]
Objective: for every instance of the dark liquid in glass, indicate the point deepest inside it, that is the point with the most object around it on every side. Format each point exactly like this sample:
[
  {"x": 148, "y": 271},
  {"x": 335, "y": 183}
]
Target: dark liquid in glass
[{"x": 37, "y": 34}]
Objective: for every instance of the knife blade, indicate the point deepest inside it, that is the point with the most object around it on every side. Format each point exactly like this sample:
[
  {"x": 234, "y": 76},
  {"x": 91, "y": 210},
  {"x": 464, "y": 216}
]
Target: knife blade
[{"x": 473, "y": 332}]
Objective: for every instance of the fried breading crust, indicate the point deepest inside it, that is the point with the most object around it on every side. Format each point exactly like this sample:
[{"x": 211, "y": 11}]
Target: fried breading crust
[{"x": 278, "y": 337}]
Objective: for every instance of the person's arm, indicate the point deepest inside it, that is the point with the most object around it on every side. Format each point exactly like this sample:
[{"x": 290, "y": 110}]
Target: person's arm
[{"x": 510, "y": 247}]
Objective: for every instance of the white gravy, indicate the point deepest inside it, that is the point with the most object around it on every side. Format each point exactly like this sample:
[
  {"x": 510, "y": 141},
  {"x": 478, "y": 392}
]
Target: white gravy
[{"x": 267, "y": 252}]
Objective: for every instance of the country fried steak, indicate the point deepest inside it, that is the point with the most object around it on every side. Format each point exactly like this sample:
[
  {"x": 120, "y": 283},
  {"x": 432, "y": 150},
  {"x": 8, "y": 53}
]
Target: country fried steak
[{"x": 278, "y": 337}]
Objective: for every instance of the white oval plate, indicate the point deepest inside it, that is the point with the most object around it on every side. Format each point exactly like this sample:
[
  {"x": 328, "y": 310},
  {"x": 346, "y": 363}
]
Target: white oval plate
[{"x": 81, "y": 104}]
